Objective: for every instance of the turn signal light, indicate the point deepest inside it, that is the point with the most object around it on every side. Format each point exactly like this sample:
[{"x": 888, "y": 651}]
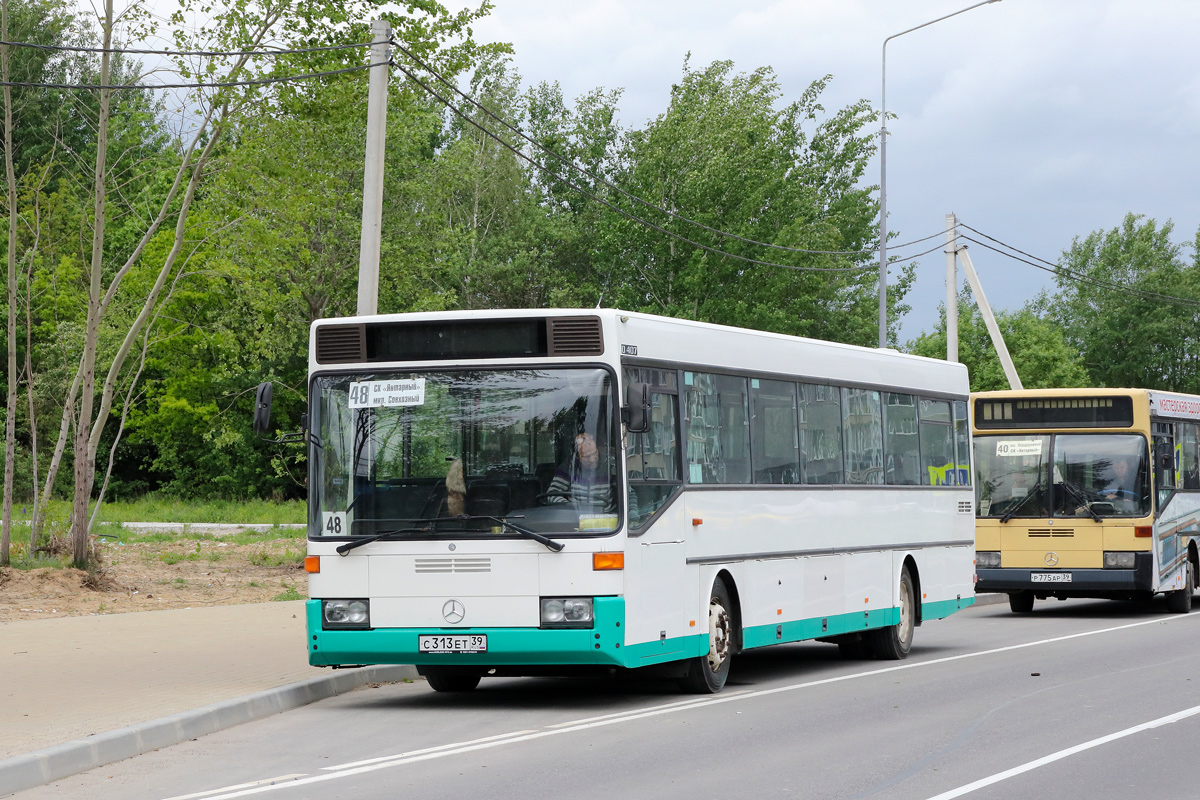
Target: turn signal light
[
  {"x": 312, "y": 564},
  {"x": 1143, "y": 531},
  {"x": 608, "y": 561}
]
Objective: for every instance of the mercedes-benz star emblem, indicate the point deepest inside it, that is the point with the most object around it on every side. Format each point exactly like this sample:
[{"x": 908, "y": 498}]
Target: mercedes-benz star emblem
[
  {"x": 1051, "y": 559},
  {"x": 453, "y": 612}
]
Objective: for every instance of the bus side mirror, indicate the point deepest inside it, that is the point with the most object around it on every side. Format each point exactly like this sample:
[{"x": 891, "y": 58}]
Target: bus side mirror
[
  {"x": 637, "y": 407},
  {"x": 262, "y": 408},
  {"x": 1164, "y": 454}
]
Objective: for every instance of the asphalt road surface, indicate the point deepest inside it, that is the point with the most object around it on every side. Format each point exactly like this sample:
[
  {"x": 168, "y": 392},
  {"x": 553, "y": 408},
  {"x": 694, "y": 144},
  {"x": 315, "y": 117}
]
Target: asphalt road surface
[{"x": 1080, "y": 699}]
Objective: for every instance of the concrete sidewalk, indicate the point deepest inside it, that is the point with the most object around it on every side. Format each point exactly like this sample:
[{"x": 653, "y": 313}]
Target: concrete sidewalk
[{"x": 79, "y": 692}]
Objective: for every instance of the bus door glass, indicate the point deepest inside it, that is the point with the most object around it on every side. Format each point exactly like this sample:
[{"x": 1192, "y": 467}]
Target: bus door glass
[
  {"x": 652, "y": 457},
  {"x": 1165, "y": 466}
]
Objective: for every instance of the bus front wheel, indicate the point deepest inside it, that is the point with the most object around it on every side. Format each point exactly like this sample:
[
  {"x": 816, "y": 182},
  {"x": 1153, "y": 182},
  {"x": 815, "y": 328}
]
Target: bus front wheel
[
  {"x": 1020, "y": 602},
  {"x": 706, "y": 674},
  {"x": 1180, "y": 600},
  {"x": 894, "y": 642}
]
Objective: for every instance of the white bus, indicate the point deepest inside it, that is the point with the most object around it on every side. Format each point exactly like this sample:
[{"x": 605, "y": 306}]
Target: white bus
[{"x": 527, "y": 492}]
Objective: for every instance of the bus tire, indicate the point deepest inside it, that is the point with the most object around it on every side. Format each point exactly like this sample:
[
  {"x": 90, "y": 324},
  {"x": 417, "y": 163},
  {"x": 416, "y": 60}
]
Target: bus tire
[
  {"x": 449, "y": 680},
  {"x": 706, "y": 674},
  {"x": 893, "y": 642},
  {"x": 1180, "y": 600},
  {"x": 1020, "y": 602}
]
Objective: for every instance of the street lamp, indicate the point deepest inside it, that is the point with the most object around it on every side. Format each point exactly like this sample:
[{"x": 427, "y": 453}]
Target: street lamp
[{"x": 883, "y": 171}]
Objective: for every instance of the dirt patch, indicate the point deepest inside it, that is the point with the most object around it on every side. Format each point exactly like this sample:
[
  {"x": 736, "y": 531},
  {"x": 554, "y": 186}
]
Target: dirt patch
[{"x": 146, "y": 576}]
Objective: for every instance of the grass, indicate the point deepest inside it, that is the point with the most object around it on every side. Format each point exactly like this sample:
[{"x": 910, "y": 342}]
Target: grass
[
  {"x": 153, "y": 508},
  {"x": 287, "y": 558},
  {"x": 289, "y": 593}
]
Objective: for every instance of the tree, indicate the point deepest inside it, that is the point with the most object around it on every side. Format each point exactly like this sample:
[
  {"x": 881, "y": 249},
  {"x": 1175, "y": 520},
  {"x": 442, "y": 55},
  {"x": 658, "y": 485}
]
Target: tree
[
  {"x": 1040, "y": 353},
  {"x": 1114, "y": 305},
  {"x": 726, "y": 156}
]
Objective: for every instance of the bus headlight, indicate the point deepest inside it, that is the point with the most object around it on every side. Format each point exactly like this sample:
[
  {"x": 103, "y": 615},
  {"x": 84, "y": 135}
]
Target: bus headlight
[
  {"x": 1118, "y": 560},
  {"x": 346, "y": 613},
  {"x": 987, "y": 559},
  {"x": 566, "y": 612}
]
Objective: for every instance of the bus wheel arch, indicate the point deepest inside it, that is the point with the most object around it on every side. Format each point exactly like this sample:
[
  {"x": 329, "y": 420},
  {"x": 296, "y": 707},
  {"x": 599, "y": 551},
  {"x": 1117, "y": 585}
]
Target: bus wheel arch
[{"x": 706, "y": 674}]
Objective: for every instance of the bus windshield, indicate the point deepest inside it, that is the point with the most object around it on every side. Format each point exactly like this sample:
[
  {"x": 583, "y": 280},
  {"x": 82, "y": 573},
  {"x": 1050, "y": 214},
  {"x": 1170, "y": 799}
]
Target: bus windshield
[
  {"x": 1062, "y": 475},
  {"x": 421, "y": 454}
]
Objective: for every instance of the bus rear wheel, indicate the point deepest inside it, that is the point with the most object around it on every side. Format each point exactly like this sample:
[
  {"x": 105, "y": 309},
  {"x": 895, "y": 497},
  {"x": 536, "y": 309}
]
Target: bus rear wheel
[
  {"x": 894, "y": 642},
  {"x": 707, "y": 674},
  {"x": 442, "y": 679},
  {"x": 1020, "y": 602}
]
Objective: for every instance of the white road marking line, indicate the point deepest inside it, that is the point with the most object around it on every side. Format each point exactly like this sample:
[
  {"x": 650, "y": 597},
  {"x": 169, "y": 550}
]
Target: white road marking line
[
  {"x": 400, "y": 759},
  {"x": 281, "y": 778},
  {"x": 419, "y": 752},
  {"x": 1070, "y": 751}
]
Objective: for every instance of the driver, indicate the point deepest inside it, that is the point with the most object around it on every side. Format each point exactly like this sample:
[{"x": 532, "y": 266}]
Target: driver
[
  {"x": 579, "y": 480},
  {"x": 1121, "y": 487}
]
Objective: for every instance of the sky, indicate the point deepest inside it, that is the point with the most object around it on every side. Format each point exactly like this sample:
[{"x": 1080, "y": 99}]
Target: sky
[{"x": 1034, "y": 121}]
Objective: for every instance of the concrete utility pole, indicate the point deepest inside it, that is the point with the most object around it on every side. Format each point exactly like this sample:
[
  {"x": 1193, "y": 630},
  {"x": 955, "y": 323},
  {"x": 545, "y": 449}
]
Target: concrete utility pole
[
  {"x": 985, "y": 308},
  {"x": 951, "y": 289},
  {"x": 372, "y": 213}
]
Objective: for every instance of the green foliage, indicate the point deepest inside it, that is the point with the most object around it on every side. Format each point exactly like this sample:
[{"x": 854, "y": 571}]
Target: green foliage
[
  {"x": 726, "y": 156},
  {"x": 1040, "y": 353},
  {"x": 289, "y": 593},
  {"x": 1128, "y": 339}
]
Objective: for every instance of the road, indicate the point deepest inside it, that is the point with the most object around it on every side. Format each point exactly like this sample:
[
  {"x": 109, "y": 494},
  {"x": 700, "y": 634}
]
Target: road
[{"x": 1080, "y": 699}]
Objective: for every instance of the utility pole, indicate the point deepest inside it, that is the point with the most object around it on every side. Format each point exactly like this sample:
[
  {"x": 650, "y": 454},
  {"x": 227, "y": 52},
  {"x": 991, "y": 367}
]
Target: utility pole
[
  {"x": 372, "y": 213},
  {"x": 951, "y": 289}
]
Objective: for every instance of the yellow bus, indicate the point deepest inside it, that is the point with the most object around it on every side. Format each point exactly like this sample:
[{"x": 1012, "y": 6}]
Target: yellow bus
[{"x": 1086, "y": 493}]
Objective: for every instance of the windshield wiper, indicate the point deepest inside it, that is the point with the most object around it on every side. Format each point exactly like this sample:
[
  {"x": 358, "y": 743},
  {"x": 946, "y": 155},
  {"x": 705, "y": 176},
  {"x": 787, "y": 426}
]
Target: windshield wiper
[
  {"x": 346, "y": 547},
  {"x": 343, "y": 549},
  {"x": 521, "y": 529},
  {"x": 1079, "y": 496},
  {"x": 1009, "y": 514}
]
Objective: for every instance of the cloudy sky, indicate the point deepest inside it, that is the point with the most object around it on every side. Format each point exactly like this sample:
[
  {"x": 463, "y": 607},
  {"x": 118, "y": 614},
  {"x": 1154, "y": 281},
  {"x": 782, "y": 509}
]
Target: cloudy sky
[{"x": 1034, "y": 121}]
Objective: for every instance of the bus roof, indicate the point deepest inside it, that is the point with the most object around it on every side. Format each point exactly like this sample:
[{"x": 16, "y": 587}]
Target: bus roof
[{"x": 648, "y": 338}]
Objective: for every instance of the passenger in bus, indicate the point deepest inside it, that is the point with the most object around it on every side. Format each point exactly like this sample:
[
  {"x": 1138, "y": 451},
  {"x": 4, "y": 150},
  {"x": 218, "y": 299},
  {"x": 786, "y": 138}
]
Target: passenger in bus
[{"x": 580, "y": 480}]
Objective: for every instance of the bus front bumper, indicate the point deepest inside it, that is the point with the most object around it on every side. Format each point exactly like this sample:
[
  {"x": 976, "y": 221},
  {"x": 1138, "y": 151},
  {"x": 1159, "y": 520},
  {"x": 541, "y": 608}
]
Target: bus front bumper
[
  {"x": 1070, "y": 582},
  {"x": 600, "y": 645}
]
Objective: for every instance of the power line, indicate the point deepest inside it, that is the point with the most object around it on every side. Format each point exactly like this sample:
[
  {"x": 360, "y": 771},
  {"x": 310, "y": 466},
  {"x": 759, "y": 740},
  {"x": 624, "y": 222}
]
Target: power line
[
  {"x": 222, "y": 84},
  {"x": 515, "y": 151},
  {"x": 1084, "y": 279},
  {"x": 213, "y": 53},
  {"x": 573, "y": 165}
]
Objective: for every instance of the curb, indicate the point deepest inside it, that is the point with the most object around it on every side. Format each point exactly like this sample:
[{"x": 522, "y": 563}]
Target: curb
[{"x": 63, "y": 760}]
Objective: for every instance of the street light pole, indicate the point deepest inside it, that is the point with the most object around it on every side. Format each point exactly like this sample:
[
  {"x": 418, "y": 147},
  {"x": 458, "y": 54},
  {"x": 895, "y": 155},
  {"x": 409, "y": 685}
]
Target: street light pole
[{"x": 883, "y": 169}]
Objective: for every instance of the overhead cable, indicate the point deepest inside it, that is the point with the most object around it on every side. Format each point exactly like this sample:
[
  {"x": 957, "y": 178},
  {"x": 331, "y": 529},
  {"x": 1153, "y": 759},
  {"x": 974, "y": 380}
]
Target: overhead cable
[
  {"x": 212, "y": 53},
  {"x": 218, "y": 85},
  {"x": 1085, "y": 279}
]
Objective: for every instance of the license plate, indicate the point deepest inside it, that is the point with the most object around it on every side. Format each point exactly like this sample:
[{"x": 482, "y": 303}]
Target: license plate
[
  {"x": 453, "y": 643},
  {"x": 1050, "y": 577}
]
